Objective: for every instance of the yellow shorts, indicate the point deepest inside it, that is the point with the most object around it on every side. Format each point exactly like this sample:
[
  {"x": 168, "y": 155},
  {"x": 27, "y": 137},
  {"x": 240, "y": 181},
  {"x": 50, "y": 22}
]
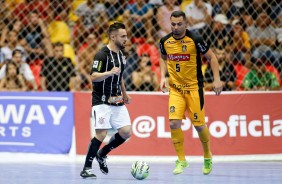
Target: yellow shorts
[{"x": 192, "y": 101}]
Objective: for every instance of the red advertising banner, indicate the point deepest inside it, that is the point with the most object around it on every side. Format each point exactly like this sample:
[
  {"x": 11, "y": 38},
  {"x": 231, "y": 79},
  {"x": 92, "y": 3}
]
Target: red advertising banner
[{"x": 239, "y": 124}]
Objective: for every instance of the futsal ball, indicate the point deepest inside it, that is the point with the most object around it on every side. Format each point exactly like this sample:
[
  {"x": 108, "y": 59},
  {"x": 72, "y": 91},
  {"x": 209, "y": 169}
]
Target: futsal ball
[{"x": 140, "y": 170}]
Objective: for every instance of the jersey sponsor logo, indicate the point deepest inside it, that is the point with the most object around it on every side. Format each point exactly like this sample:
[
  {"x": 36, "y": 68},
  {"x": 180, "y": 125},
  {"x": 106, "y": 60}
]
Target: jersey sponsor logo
[
  {"x": 170, "y": 42},
  {"x": 95, "y": 64},
  {"x": 179, "y": 86},
  {"x": 184, "y": 41},
  {"x": 203, "y": 48},
  {"x": 179, "y": 57}
]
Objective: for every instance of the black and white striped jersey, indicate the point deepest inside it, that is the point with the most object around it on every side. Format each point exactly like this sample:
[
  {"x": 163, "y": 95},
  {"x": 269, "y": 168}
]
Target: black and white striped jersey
[{"x": 104, "y": 61}]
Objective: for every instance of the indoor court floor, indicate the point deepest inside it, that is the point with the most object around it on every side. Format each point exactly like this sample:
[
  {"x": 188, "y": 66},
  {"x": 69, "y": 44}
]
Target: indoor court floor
[{"x": 119, "y": 173}]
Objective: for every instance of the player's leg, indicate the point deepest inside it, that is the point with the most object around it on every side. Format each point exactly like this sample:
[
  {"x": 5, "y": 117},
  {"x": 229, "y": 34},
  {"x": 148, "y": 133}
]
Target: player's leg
[
  {"x": 177, "y": 108},
  {"x": 120, "y": 121},
  {"x": 197, "y": 115},
  {"x": 101, "y": 118}
]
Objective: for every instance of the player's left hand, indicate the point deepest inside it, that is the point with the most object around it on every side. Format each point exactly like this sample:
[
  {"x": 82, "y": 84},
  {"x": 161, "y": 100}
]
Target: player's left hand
[
  {"x": 126, "y": 99},
  {"x": 217, "y": 87}
]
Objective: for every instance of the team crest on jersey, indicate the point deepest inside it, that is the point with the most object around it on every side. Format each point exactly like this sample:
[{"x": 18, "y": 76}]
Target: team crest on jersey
[
  {"x": 170, "y": 42},
  {"x": 123, "y": 59},
  {"x": 172, "y": 109},
  {"x": 101, "y": 120},
  {"x": 184, "y": 48}
]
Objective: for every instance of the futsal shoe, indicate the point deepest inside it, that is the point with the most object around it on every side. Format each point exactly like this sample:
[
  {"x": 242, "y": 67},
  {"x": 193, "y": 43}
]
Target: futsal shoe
[
  {"x": 179, "y": 166},
  {"x": 87, "y": 173},
  {"x": 102, "y": 163},
  {"x": 207, "y": 166}
]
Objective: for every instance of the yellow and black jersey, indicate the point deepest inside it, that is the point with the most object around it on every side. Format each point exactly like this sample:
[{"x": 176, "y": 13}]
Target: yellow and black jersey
[{"x": 184, "y": 60}]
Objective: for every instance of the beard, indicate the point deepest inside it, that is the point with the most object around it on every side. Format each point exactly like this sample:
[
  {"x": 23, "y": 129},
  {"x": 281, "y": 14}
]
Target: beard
[
  {"x": 177, "y": 33},
  {"x": 120, "y": 45}
]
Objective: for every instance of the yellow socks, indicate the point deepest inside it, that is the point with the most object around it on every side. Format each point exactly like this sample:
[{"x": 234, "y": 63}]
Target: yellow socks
[
  {"x": 205, "y": 140},
  {"x": 177, "y": 137}
]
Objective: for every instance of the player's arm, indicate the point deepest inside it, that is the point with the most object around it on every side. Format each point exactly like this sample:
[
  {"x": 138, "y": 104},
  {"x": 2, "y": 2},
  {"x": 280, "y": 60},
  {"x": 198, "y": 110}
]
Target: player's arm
[
  {"x": 126, "y": 98},
  {"x": 204, "y": 49},
  {"x": 163, "y": 67},
  {"x": 217, "y": 84},
  {"x": 98, "y": 72}
]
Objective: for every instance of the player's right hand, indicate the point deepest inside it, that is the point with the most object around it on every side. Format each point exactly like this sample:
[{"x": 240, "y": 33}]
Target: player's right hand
[
  {"x": 115, "y": 71},
  {"x": 164, "y": 85}
]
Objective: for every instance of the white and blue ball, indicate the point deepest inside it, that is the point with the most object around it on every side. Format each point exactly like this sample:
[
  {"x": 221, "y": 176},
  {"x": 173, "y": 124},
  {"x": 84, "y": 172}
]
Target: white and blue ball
[{"x": 140, "y": 170}]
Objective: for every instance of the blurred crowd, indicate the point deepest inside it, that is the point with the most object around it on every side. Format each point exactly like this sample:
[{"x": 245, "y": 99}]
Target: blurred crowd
[{"x": 49, "y": 45}]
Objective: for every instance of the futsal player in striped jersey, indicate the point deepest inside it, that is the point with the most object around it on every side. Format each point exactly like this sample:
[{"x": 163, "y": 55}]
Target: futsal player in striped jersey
[{"x": 108, "y": 99}]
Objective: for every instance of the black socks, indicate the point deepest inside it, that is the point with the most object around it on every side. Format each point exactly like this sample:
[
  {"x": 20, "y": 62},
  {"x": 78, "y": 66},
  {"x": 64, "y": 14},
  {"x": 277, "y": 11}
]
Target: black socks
[
  {"x": 114, "y": 142},
  {"x": 92, "y": 151}
]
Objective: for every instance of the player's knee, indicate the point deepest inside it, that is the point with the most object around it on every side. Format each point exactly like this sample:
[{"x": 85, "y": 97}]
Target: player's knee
[
  {"x": 101, "y": 135},
  {"x": 174, "y": 124},
  {"x": 125, "y": 135},
  {"x": 200, "y": 128},
  {"x": 125, "y": 132}
]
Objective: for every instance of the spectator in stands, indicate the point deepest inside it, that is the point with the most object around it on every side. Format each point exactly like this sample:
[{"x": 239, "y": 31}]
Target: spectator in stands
[
  {"x": 240, "y": 38},
  {"x": 23, "y": 9},
  {"x": 278, "y": 30},
  {"x": 12, "y": 44},
  {"x": 92, "y": 17},
  {"x": 13, "y": 80},
  {"x": 36, "y": 36},
  {"x": 218, "y": 34},
  {"x": 138, "y": 17},
  {"x": 263, "y": 39},
  {"x": 58, "y": 73},
  {"x": 115, "y": 8},
  {"x": 226, "y": 7},
  {"x": 258, "y": 78},
  {"x": 163, "y": 14},
  {"x": 23, "y": 67},
  {"x": 85, "y": 59},
  {"x": 226, "y": 70},
  {"x": 144, "y": 79},
  {"x": 131, "y": 64},
  {"x": 256, "y": 7},
  {"x": 60, "y": 9},
  {"x": 198, "y": 15}
]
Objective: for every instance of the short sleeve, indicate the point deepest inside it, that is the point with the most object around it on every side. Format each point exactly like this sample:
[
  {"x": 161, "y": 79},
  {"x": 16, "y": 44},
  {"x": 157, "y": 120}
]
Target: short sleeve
[
  {"x": 26, "y": 71},
  {"x": 99, "y": 63},
  {"x": 162, "y": 48},
  {"x": 44, "y": 69},
  {"x": 70, "y": 68},
  {"x": 3, "y": 71},
  {"x": 247, "y": 81},
  {"x": 201, "y": 45},
  {"x": 274, "y": 81}
]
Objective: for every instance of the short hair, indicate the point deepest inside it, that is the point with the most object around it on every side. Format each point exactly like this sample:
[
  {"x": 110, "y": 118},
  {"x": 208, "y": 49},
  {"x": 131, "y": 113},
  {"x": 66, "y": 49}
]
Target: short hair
[
  {"x": 58, "y": 44},
  {"x": 178, "y": 14},
  {"x": 17, "y": 51},
  {"x": 115, "y": 26}
]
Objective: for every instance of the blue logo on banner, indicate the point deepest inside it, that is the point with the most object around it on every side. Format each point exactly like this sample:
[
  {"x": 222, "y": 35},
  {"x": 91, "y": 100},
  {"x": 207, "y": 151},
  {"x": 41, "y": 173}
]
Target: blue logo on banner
[{"x": 36, "y": 122}]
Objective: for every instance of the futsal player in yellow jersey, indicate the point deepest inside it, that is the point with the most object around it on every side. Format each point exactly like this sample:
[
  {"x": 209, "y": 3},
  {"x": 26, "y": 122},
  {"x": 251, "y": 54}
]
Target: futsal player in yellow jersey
[{"x": 181, "y": 53}]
